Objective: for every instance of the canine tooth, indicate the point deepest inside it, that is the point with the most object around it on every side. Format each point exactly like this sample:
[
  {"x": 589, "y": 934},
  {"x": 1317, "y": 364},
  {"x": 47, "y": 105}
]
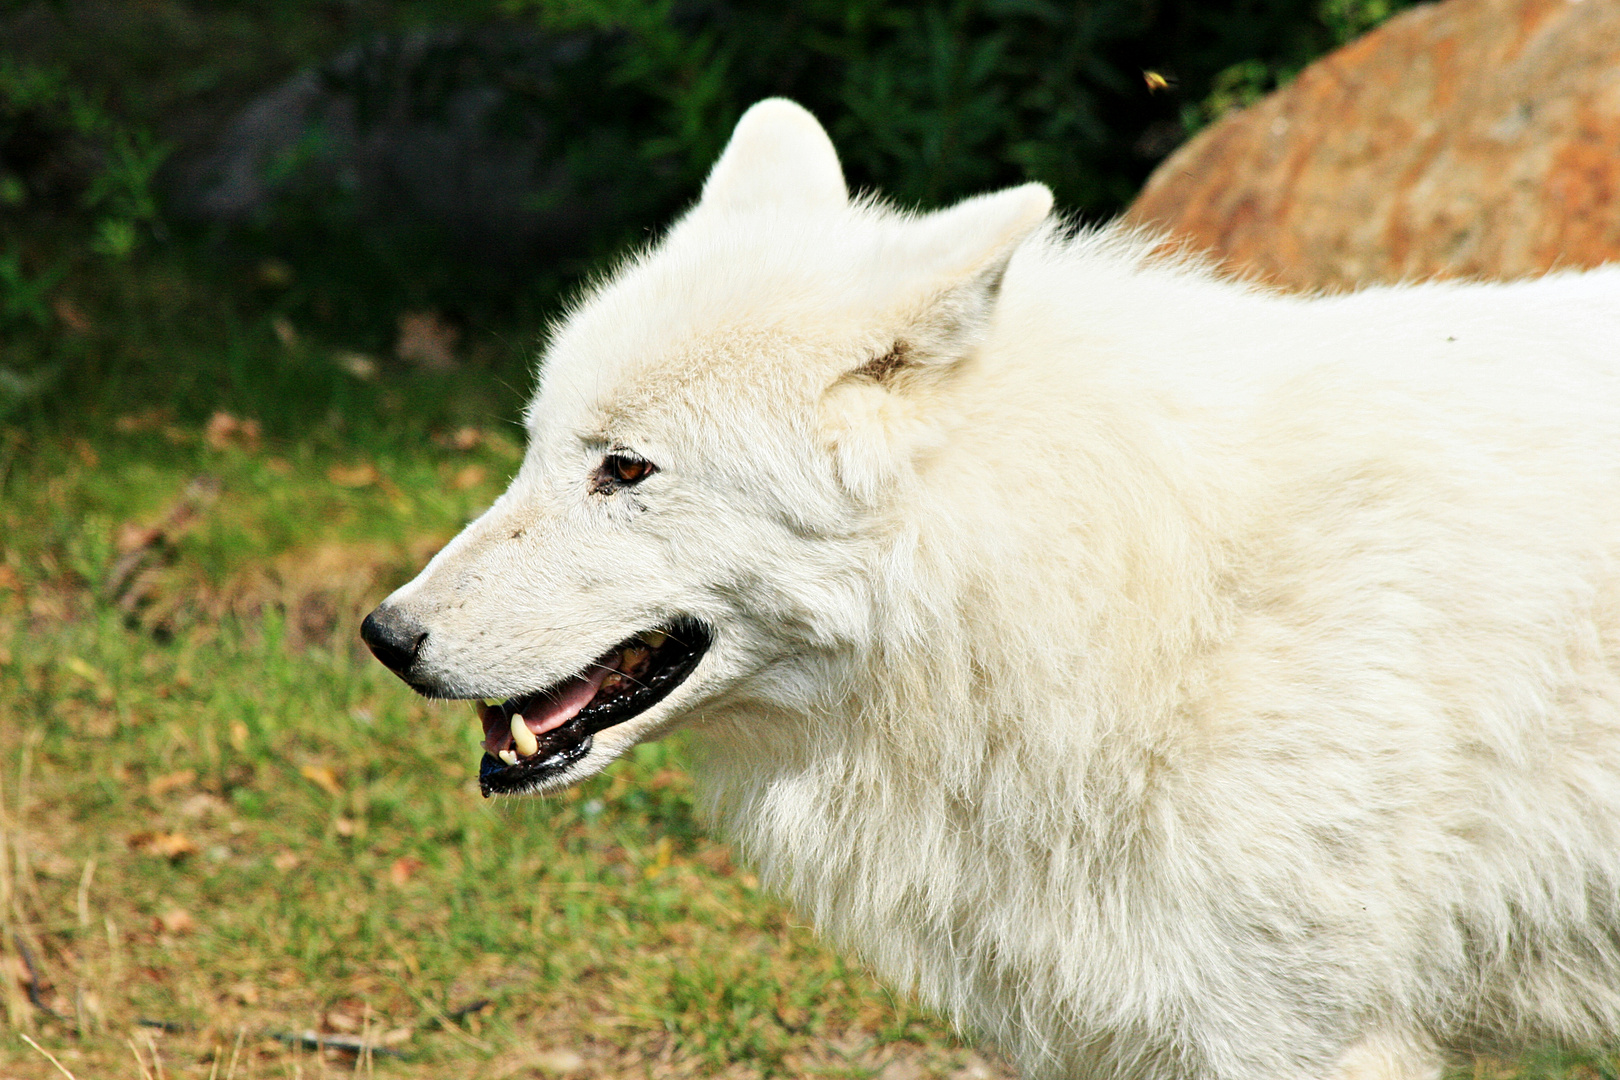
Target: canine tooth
[
  {"x": 524, "y": 739},
  {"x": 507, "y": 756},
  {"x": 612, "y": 680},
  {"x": 654, "y": 638}
]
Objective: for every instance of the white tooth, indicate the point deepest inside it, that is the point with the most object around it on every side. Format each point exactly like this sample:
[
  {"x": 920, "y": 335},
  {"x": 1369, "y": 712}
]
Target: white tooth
[
  {"x": 654, "y": 638},
  {"x": 507, "y": 756},
  {"x": 612, "y": 680},
  {"x": 527, "y": 744}
]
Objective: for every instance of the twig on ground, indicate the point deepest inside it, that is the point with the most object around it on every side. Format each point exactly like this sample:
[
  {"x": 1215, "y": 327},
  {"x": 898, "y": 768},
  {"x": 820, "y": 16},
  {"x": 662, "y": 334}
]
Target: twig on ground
[
  {"x": 31, "y": 987},
  {"x": 313, "y": 1040},
  {"x": 49, "y": 1055},
  {"x": 140, "y": 1062},
  {"x": 168, "y": 1027},
  {"x": 467, "y": 1010}
]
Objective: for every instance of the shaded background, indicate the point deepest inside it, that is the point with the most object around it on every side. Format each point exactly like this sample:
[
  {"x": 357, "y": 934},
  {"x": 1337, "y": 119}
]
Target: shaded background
[{"x": 185, "y": 188}]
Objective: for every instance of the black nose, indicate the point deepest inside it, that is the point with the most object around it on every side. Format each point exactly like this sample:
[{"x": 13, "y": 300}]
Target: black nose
[{"x": 393, "y": 637}]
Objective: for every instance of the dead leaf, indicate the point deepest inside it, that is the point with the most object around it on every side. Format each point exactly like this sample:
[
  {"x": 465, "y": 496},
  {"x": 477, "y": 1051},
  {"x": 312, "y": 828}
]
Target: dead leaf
[
  {"x": 285, "y": 860},
  {"x": 470, "y": 477},
  {"x": 68, "y": 314},
  {"x": 558, "y": 1062},
  {"x": 176, "y": 921},
  {"x": 9, "y": 579},
  {"x": 146, "y": 420},
  {"x": 354, "y": 476},
  {"x": 464, "y": 439},
  {"x": 346, "y": 826},
  {"x": 224, "y": 431},
  {"x": 244, "y": 992},
  {"x": 87, "y": 453},
  {"x": 202, "y": 804},
  {"x": 160, "y": 786},
  {"x": 132, "y": 537},
  {"x": 284, "y": 330},
  {"x": 338, "y": 1020},
  {"x": 359, "y": 365},
  {"x": 279, "y": 466},
  {"x": 322, "y": 777},
  {"x": 427, "y": 341},
  {"x": 275, "y": 274},
  {"x": 168, "y": 845},
  {"x": 404, "y": 868}
]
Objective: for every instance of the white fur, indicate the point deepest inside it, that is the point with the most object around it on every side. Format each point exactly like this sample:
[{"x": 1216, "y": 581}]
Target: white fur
[{"x": 1163, "y": 677}]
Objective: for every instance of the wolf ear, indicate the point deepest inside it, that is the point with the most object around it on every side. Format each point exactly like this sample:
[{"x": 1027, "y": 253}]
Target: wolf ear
[
  {"x": 966, "y": 250},
  {"x": 878, "y": 416},
  {"x": 778, "y": 156}
]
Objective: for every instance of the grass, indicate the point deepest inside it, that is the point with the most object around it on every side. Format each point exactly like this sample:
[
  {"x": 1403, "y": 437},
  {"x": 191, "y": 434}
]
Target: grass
[{"x": 222, "y": 825}]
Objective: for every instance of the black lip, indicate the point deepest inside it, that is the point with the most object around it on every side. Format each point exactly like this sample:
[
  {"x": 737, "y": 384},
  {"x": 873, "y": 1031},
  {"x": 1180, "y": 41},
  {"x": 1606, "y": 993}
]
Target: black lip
[{"x": 561, "y": 747}]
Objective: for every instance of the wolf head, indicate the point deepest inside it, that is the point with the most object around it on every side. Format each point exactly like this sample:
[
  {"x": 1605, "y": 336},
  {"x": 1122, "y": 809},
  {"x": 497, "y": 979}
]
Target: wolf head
[{"x": 718, "y": 454}]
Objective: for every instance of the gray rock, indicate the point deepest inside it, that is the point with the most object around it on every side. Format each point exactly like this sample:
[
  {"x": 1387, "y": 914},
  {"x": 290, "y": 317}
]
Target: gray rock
[{"x": 439, "y": 131}]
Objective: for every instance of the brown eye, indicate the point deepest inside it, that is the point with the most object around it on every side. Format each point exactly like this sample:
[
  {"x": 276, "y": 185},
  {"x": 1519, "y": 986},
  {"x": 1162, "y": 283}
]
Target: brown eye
[{"x": 622, "y": 470}]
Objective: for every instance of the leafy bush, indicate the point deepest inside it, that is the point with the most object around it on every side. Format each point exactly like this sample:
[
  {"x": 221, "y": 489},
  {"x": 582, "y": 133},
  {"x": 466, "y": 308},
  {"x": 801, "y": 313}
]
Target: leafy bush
[
  {"x": 927, "y": 102},
  {"x": 930, "y": 101},
  {"x": 56, "y": 144}
]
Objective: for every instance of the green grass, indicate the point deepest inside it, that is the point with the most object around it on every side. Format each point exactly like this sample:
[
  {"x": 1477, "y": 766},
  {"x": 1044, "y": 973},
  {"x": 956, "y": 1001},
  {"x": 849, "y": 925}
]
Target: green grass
[{"x": 220, "y": 814}]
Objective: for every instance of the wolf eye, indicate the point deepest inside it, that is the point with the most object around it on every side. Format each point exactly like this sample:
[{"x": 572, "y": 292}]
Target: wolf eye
[{"x": 621, "y": 470}]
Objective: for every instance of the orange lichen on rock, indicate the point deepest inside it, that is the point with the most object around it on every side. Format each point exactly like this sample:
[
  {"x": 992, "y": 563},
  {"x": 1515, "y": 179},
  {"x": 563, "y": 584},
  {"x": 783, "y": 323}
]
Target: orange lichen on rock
[{"x": 1469, "y": 138}]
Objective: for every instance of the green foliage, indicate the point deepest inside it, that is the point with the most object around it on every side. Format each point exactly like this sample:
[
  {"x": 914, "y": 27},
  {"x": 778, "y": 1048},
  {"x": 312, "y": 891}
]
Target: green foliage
[
  {"x": 932, "y": 101},
  {"x": 116, "y": 163}
]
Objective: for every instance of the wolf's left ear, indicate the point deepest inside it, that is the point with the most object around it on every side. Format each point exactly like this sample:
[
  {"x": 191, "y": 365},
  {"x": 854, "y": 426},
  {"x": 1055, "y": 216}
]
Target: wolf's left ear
[
  {"x": 778, "y": 156},
  {"x": 964, "y": 251}
]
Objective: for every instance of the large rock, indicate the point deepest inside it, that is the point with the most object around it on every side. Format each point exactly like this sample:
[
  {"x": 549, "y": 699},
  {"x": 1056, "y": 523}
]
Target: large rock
[{"x": 1469, "y": 138}]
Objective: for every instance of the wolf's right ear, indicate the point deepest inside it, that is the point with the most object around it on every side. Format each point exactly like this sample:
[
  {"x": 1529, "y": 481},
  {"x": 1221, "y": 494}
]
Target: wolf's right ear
[{"x": 778, "y": 156}]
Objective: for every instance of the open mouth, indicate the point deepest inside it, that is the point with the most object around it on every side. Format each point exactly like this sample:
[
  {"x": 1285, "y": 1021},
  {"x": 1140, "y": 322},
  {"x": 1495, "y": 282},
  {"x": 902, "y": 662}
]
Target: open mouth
[{"x": 534, "y": 736}]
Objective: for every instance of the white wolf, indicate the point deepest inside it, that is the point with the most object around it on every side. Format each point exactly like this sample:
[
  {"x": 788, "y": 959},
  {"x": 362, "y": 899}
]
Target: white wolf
[{"x": 1163, "y": 677}]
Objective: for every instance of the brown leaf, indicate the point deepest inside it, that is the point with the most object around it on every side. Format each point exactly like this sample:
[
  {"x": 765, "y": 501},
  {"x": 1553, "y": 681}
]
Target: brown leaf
[
  {"x": 284, "y": 330},
  {"x": 168, "y": 845},
  {"x": 558, "y": 1062},
  {"x": 176, "y": 921},
  {"x": 202, "y": 804},
  {"x": 354, "y": 476},
  {"x": 470, "y": 477},
  {"x": 9, "y": 579},
  {"x": 132, "y": 537},
  {"x": 285, "y": 860},
  {"x": 244, "y": 993},
  {"x": 465, "y": 439},
  {"x": 68, "y": 314},
  {"x": 160, "y": 786},
  {"x": 146, "y": 420},
  {"x": 322, "y": 777},
  {"x": 359, "y": 365},
  {"x": 426, "y": 340},
  {"x": 224, "y": 431},
  {"x": 404, "y": 868}
]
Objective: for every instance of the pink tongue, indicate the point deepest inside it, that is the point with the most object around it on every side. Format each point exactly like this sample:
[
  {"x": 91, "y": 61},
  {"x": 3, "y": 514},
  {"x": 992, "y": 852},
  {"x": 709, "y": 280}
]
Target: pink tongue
[{"x": 555, "y": 710}]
